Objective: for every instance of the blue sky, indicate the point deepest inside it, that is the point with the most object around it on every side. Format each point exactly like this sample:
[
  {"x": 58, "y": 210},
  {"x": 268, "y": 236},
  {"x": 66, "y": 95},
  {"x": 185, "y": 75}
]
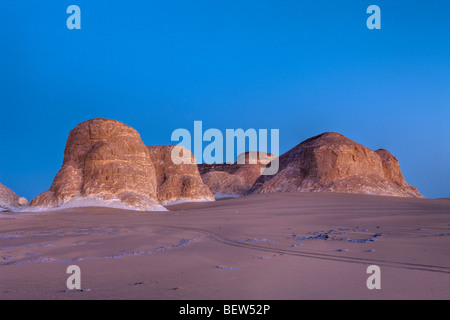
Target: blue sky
[{"x": 303, "y": 67}]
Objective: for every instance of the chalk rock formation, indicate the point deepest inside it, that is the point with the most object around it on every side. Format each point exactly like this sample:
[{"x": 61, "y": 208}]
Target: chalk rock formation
[
  {"x": 234, "y": 180},
  {"x": 9, "y": 199},
  {"x": 105, "y": 164},
  {"x": 332, "y": 162},
  {"x": 177, "y": 182}
]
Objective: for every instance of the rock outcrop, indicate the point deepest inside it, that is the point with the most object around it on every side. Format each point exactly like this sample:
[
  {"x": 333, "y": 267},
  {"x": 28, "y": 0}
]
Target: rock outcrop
[
  {"x": 105, "y": 164},
  {"x": 9, "y": 199},
  {"x": 177, "y": 182},
  {"x": 331, "y": 162},
  {"x": 234, "y": 180}
]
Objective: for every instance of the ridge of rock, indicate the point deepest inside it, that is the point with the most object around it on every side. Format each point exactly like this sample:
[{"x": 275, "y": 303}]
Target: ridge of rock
[{"x": 334, "y": 163}]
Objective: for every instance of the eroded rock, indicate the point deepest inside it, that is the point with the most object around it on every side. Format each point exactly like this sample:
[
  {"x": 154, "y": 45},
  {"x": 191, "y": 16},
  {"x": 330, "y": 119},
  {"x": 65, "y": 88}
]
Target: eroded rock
[{"x": 105, "y": 162}]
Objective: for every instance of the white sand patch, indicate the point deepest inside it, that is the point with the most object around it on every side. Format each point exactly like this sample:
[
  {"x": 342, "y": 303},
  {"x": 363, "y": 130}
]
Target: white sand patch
[{"x": 80, "y": 201}]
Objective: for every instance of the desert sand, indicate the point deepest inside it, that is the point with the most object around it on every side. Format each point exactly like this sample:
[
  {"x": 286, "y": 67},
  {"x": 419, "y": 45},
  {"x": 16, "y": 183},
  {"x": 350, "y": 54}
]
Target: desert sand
[{"x": 265, "y": 246}]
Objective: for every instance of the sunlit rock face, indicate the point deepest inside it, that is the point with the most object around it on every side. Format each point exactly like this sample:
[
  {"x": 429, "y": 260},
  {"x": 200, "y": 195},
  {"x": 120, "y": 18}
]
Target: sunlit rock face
[{"x": 105, "y": 163}]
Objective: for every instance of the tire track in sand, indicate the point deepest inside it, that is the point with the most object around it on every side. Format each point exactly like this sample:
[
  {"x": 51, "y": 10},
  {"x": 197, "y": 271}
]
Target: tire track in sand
[{"x": 330, "y": 257}]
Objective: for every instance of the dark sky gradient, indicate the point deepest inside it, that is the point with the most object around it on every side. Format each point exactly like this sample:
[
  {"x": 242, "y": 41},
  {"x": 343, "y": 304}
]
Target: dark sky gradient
[{"x": 303, "y": 67}]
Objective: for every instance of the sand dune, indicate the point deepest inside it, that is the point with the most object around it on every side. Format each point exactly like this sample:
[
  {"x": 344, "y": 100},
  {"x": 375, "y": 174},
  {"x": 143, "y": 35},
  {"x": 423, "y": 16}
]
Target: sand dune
[{"x": 266, "y": 246}]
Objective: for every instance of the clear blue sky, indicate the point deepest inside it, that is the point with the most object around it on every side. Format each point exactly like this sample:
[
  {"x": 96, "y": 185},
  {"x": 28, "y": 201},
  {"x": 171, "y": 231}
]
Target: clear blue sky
[{"x": 303, "y": 67}]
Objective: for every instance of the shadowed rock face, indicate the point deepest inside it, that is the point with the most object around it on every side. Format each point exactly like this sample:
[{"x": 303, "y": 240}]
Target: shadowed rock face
[
  {"x": 104, "y": 160},
  {"x": 177, "y": 182},
  {"x": 8, "y": 198},
  {"x": 332, "y": 162},
  {"x": 237, "y": 178}
]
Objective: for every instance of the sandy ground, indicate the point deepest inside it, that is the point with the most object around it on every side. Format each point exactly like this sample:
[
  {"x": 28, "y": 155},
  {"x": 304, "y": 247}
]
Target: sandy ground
[{"x": 277, "y": 246}]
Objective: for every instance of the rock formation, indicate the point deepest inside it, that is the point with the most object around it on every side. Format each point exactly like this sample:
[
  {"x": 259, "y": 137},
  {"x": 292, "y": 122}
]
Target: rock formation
[
  {"x": 177, "y": 182},
  {"x": 234, "y": 180},
  {"x": 9, "y": 199},
  {"x": 105, "y": 164},
  {"x": 332, "y": 162}
]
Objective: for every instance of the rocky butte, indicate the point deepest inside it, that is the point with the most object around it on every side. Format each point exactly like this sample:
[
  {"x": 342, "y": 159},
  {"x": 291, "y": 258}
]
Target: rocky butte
[
  {"x": 105, "y": 164},
  {"x": 331, "y": 162}
]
